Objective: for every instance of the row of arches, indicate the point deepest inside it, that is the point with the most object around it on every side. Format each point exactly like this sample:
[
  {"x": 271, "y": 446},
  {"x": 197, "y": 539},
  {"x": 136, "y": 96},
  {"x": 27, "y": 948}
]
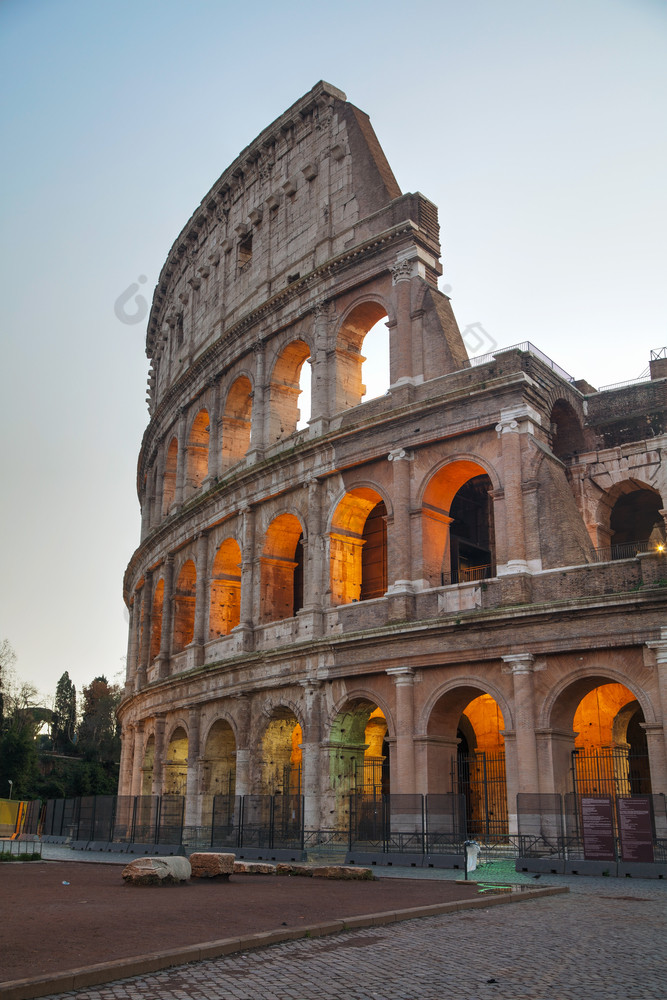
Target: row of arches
[
  {"x": 212, "y": 442},
  {"x": 466, "y": 729}
]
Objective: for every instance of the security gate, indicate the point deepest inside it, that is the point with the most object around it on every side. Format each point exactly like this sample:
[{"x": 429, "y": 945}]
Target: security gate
[{"x": 480, "y": 778}]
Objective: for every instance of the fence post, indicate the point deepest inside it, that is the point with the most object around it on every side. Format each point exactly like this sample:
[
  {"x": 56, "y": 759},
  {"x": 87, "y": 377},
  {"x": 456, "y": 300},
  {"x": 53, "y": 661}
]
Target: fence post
[{"x": 158, "y": 810}]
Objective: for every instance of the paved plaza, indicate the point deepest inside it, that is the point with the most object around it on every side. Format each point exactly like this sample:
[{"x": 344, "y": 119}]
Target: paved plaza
[{"x": 605, "y": 940}]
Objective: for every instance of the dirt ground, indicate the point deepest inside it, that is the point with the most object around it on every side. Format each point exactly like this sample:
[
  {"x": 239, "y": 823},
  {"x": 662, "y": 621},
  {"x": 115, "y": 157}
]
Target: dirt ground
[{"x": 50, "y": 927}]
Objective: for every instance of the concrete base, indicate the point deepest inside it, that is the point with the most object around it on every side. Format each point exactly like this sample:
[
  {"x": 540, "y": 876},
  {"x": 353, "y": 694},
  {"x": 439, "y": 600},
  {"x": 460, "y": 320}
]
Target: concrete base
[
  {"x": 366, "y": 858},
  {"x": 639, "y": 869},
  {"x": 444, "y": 861},
  {"x": 266, "y": 854},
  {"x": 156, "y": 849},
  {"x": 548, "y": 866},
  {"x": 576, "y": 867}
]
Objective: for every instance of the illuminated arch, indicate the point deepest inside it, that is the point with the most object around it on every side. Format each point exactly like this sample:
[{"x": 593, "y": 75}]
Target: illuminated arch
[
  {"x": 358, "y": 547},
  {"x": 176, "y": 763},
  {"x": 197, "y": 452},
  {"x": 219, "y": 760},
  {"x": 225, "y": 600},
  {"x": 284, "y": 391},
  {"x": 349, "y": 359},
  {"x": 458, "y": 540},
  {"x": 281, "y": 753},
  {"x": 236, "y": 422},
  {"x": 282, "y": 569},
  {"x": 184, "y": 607}
]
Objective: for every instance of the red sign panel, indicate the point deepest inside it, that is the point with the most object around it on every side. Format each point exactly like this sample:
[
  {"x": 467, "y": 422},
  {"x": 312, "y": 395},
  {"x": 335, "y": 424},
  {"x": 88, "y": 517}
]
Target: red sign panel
[
  {"x": 635, "y": 829},
  {"x": 598, "y": 828}
]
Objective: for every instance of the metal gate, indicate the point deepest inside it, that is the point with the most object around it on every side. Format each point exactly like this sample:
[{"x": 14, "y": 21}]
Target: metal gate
[
  {"x": 480, "y": 778},
  {"x": 610, "y": 771}
]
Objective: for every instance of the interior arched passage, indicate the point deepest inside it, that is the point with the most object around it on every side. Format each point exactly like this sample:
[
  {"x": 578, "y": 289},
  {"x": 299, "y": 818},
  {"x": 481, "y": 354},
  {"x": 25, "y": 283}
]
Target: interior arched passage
[
  {"x": 607, "y": 753},
  {"x": 176, "y": 763},
  {"x": 358, "y": 547},
  {"x": 184, "y": 607},
  {"x": 567, "y": 434},
  {"x": 156, "y": 619},
  {"x": 458, "y": 541},
  {"x": 218, "y": 774},
  {"x": 225, "y": 607},
  {"x": 635, "y": 521},
  {"x": 466, "y": 756},
  {"x": 282, "y": 569},
  {"x": 349, "y": 358},
  {"x": 281, "y": 754},
  {"x": 358, "y": 757},
  {"x": 169, "y": 478},
  {"x": 197, "y": 454},
  {"x": 236, "y": 422},
  {"x": 284, "y": 391}
]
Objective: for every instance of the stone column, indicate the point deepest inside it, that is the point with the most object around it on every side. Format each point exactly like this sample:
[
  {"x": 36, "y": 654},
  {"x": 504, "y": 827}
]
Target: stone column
[
  {"x": 138, "y": 761},
  {"x": 201, "y": 597},
  {"x": 214, "y": 443},
  {"x": 126, "y": 760},
  {"x": 167, "y": 607},
  {"x": 192, "y": 792},
  {"x": 514, "y": 422},
  {"x": 658, "y": 753},
  {"x": 522, "y": 667},
  {"x": 242, "y": 714},
  {"x": 158, "y": 760},
  {"x": 314, "y": 585},
  {"x": 400, "y": 335},
  {"x": 146, "y": 615},
  {"x": 181, "y": 462},
  {"x": 401, "y": 549},
  {"x": 247, "y": 575},
  {"x": 259, "y": 416},
  {"x": 321, "y": 378},
  {"x": 156, "y": 518},
  {"x": 310, "y": 754},
  {"x": 403, "y": 775},
  {"x": 131, "y": 661}
]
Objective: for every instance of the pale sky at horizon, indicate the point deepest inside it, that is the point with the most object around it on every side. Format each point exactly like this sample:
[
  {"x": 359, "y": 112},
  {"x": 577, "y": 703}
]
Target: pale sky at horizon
[{"x": 537, "y": 128}]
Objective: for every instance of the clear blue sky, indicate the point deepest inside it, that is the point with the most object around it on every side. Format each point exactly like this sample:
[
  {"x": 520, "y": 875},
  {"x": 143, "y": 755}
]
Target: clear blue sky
[{"x": 537, "y": 128}]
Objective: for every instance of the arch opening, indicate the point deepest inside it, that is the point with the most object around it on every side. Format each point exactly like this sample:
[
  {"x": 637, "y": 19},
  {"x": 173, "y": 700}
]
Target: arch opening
[
  {"x": 567, "y": 436},
  {"x": 358, "y": 547},
  {"x": 225, "y": 600},
  {"x": 610, "y": 754},
  {"x": 282, "y": 564},
  {"x": 169, "y": 479},
  {"x": 457, "y": 525},
  {"x": 285, "y": 390},
  {"x": 218, "y": 775},
  {"x": 350, "y": 388},
  {"x": 236, "y": 423},
  {"x": 156, "y": 619},
  {"x": 197, "y": 452},
  {"x": 176, "y": 763},
  {"x": 184, "y": 607},
  {"x": 635, "y": 522},
  {"x": 281, "y": 754},
  {"x": 358, "y": 761}
]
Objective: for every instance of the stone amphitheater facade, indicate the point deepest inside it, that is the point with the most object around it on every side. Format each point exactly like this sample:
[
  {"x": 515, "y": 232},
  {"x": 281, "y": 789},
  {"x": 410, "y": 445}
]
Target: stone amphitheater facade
[{"x": 434, "y": 574}]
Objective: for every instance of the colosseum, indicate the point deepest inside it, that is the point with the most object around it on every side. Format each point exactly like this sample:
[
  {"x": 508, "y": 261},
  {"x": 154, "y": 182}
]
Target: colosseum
[{"x": 453, "y": 590}]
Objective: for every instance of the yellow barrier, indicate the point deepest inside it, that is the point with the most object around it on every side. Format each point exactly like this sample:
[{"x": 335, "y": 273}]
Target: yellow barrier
[{"x": 11, "y": 814}]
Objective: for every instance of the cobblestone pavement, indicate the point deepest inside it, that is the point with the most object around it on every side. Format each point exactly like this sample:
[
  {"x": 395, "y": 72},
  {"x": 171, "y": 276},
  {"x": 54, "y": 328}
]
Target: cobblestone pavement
[{"x": 603, "y": 941}]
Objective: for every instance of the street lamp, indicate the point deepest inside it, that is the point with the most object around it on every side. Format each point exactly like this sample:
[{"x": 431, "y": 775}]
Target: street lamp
[{"x": 11, "y": 787}]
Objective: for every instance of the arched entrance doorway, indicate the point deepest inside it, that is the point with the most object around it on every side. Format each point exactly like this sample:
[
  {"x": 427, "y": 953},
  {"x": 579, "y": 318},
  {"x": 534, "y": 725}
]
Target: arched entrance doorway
[
  {"x": 610, "y": 754},
  {"x": 176, "y": 763},
  {"x": 358, "y": 762}
]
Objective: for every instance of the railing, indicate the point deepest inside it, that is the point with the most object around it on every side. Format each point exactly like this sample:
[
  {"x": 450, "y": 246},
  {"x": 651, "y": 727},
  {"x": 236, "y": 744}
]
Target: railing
[
  {"x": 469, "y": 574},
  {"x": 529, "y": 348},
  {"x": 626, "y": 550}
]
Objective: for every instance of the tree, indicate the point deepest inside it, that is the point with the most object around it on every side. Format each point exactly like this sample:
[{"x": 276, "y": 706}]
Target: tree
[
  {"x": 98, "y": 733},
  {"x": 20, "y": 721},
  {"x": 7, "y": 660},
  {"x": 63, "y": 730}
]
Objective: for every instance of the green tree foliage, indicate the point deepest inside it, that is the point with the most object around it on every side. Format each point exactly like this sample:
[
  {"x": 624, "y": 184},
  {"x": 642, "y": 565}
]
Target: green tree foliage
[
  {"x": 63, "y": 730},
  {"x": 99, "y": 733},
  {"x": 22, "y": 717}
]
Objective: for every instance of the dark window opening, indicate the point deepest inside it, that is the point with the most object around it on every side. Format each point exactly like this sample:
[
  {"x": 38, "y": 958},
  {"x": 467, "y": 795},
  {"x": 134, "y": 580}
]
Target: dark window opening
[
  {"x": 298, "y": 577},
  {"x": 471, "y": 532},
  {"x": 245, "y": 252},
  {"x": 374, "y": 554}
]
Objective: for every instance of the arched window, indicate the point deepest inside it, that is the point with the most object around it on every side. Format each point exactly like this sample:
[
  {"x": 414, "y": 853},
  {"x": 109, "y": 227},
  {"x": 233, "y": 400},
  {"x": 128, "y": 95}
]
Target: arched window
[
  {"x": 457, "y": 525},
  {"x": 635, "y": 521},
  {"x": 169, "y": 480},
  {"x": 156, "y": 619},
  {"x": 284, "y": 391},
  {"x": 236, "y": 422},
  {"x": 358, "y": 547},
  {"x": 225, "y": 611},
  {"x": 282, "y": 569},
  {"x": 350, "y": 388},
  {"x": 184, "y": 607},
  {"x": 198, "y": 451}
]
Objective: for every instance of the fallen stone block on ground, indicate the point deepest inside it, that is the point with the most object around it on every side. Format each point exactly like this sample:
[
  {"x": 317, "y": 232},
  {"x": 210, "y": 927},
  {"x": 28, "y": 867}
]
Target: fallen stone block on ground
[
  {"x": 343, "y": 872},
  {"x": 157, "y": 871},
  {"x": 209, "y": 864},
  {"x": 253, "y": 868},
  {"x": 285, "y": 868}
]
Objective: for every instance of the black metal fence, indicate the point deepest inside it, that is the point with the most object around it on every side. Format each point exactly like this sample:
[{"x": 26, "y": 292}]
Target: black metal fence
[{"x": 125, "y": 819}]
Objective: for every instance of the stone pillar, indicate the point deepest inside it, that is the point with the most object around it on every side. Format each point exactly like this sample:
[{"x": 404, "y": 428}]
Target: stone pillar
[
  {"x": 158, "y": 760},
  {"x": 658, "y": 753},
  {"x": 156, "y": 518},
  {"x": 247, "y": 575},
  {"x": 138, "y": 761},
  {"x": 435, "y": 757},
  {"x": 314, "y": 583},
  {"x": 242, "y": 714},
  {"x": 400, "y": 339},
  {"x": 146, "y": 615},
  {"x": 181, "y": 463},
  {"x": 514, "y": 422},
  {"x": 310, "y": 754},
  {"x": 201, "y": 597},
  {"x": 522, "y": 667},
  {"x": 321, "y": 378},
  {"x": 403, "y": 776},
  {"x": 192, "y": 788},
  {"x": 400, "y": 566},
  {"x": 214, "y": 442},
  {"x": 131, "y": 661},
  {"x": 167, "y": 607},
  {"x": 259, "y": 416},
  {"x": 126, "y": 760}
]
